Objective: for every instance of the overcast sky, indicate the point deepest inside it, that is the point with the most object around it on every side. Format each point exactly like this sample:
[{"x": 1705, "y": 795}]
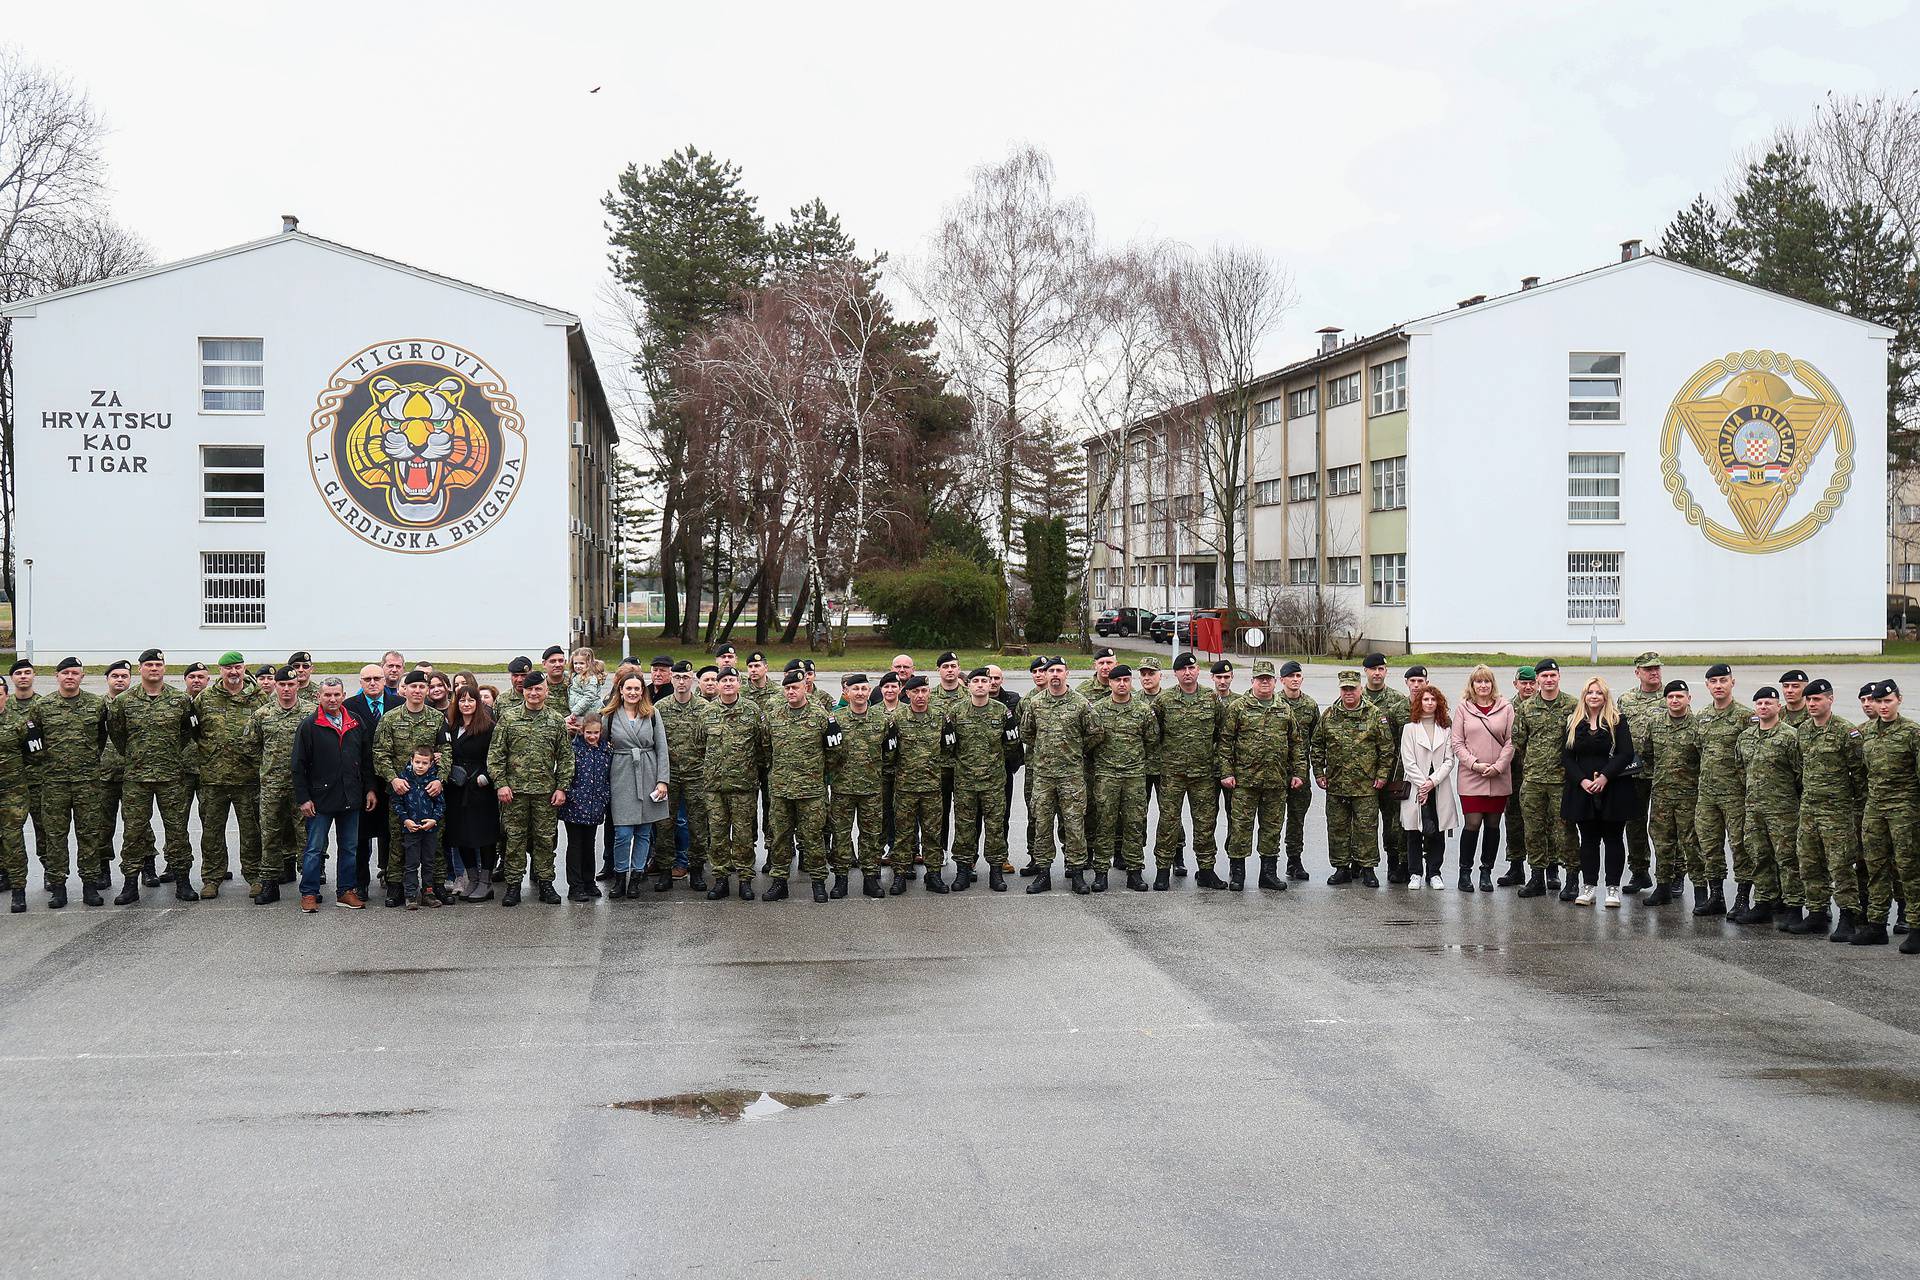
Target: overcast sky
[{"x": 1396, "y": 156}]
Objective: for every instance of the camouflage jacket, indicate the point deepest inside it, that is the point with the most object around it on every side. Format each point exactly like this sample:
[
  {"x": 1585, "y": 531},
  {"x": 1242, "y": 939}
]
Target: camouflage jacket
[
  {"x": 764, "y": 697},
  {"x": 1794, "y": 716},
  {"x": 1306, "y": 717},
  {"x": 401, "y": 730},
  {"x": 1722, "y": 776},
  {"x": 151, "y": 733},
  {"x": 1640, "y": 711},
  {"x": 531, "y": 751},
  {"x": 224, "y": 719},
  {"x": 686, "y": 726},
  {"x": 796, "y": 755},
  {"x": 1891, "y": 749},
  {"x": 15, "y": 719},
  {"x": 1670, "y": 754},
  {"x": 979, "y": 753},
  {"x": 732, "y": 762},
  {"x": 944, "y": 704},
  {"x": 1771, "y": 758},
  {"x": 270, "y": 735},
  {"x": 75, "y": 730},
  {"x": 1190, "y": 726},
  {"x": 1354, "y": 749},
  {"x": 859, "y": 769},
  {"x": 1261, "y": 744},
  {"x": 1059, "y": 733},
  {"x": 1540, "y": 738},
  {"x": 1127, "y": 732},
  {"x": 918, "y": 764},
  {"x": 1833, "y": 772},
  {"x": 1398, "y": 711}
]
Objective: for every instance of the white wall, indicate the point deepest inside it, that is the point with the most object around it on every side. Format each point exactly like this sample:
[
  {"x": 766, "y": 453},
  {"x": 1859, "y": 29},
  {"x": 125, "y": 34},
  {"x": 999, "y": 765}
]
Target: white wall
[
  {"x": 1487, "y": 452},
  {"x": 116, "y": 556}
]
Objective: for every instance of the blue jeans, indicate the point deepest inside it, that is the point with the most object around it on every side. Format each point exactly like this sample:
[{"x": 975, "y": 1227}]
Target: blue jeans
[
  {"x": 631, "y": 846},
  {"x": 346, "y": 839}
]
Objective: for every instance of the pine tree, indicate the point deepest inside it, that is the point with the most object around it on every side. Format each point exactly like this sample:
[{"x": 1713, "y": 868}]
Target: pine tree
[
  {"x": 1697, "y": 236},
  {"x": 1781, "y": 232}
]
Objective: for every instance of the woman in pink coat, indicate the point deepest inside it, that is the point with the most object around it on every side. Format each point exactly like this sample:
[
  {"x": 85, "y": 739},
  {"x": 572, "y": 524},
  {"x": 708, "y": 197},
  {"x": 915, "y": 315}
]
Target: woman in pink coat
[{"x": 1483, "y": 748}]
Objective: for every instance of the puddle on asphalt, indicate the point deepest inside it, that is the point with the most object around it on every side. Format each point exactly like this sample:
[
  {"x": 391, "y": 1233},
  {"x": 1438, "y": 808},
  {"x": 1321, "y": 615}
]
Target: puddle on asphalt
[
  {"x": 1869, "y": 1084},
  {"x": 1463, "y": 948},
  {"x": 732, "y": 1104},
  {"x": 392, "y": 973},
  {"x": 396, "y": 1114}
]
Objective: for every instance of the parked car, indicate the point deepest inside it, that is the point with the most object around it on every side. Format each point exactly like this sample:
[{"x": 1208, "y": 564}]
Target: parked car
[
  {"x": 1166, "y": 624},
  {"x": 1179, "y": 623},
  {"x": 1123, "y": 622}
]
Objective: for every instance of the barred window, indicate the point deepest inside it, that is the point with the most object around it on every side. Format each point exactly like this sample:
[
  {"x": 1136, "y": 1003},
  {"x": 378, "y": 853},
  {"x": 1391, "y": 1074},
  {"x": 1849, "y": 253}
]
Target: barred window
[
  {"x": 233, "y": 588},
  {"x": 1593, "y": 586}
]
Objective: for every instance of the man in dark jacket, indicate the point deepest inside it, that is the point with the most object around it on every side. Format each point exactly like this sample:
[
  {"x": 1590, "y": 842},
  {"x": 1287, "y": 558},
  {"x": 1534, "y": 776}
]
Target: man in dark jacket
[
  {"x": 332, "y": 769},
  {"x": 374, "y": 700}
]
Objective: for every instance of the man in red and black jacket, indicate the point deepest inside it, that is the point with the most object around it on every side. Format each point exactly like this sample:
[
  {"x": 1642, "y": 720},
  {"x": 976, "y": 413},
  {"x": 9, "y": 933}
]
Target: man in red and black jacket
[{"x": 332, "y": 773}]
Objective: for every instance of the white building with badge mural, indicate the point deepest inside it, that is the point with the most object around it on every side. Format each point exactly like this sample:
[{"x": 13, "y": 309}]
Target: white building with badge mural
[
  {"x": 1640, "y": 456},
  {"x": 292, "y": 444}
]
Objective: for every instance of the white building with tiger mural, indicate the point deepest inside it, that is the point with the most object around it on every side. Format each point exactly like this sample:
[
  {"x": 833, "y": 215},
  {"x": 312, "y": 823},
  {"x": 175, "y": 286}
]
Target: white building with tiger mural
[{"x": 292, "y": 444}]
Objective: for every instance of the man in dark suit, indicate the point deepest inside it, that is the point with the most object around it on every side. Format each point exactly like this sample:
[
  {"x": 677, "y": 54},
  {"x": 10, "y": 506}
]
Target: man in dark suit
[{"x": 367, "y": 706}]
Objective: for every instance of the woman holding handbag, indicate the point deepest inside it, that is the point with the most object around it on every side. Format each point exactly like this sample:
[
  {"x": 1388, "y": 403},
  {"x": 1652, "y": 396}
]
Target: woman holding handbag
[
  {"x": 1597, "y": 796},
  {"x": 1483, "y": 773},
  {"x": 1431, "y": 809},
  {"x": 473, "y": 807}
]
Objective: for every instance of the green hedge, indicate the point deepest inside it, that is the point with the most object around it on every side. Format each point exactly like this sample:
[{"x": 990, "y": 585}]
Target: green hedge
[{"x": 945, "y": 601}]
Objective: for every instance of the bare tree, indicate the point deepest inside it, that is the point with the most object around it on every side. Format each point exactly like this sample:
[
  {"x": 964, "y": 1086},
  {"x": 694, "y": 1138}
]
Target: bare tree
[{"x": 1002, "y": 277}]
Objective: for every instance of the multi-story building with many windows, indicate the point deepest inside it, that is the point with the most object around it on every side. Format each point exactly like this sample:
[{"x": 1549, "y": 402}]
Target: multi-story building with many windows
[{"x": 1640, "y": 455}]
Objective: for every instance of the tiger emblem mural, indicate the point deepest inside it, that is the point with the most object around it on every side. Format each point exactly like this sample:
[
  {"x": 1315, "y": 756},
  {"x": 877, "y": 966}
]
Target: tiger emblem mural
[{"x": 417, "y": 445}]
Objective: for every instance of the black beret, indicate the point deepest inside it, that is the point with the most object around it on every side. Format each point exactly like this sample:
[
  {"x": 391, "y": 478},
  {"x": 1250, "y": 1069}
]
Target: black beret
[
  {"x": 264, "y": 671},
  {"x": 1120, "y": 671},
  {"x": 979, "y": 673},
  {"x": 553, "y": 651},
  {"x": 794, "y": 676},
  {"x": 1037, "y": 664},
  {"x": 1375, "y": 660},
  {"x": 286, "y": 673},
  {"x": 945, "y": 658},
  {"x": 1290, "y": 668},
  {"x": 629, "y": 661},
  {"x": 1676, "y": 686},
  {"x": 533, "y": 681},
  {"x": 1545, "y": 665},
  {"x": 1415, "y": 670},
  {"x": 1819, "y": 686},
  {"x": 520, "y": 666},
  {"x": 1887, "y": 689},
  {"x": 806, "y": 664},
  {"x": 1719, "y": 669},
  {"x": 887, "y": 678},
  {"x": 708, "y": 668},
  {"x": 417, "y": 676},
  {"x": 683, "y": 667},
  {"x": 294, "y": 659},
  {"x": 661, "y": 661},
  {"x": 1222, "y": 668},
  {"x": 1056, "y": 661},
  {"x": 723, "y": 650},
  {"x": 1766, "y": 691},
  {"x": 1795, "y": 674},
  {"x": 1102, "y": 653},
  {"x": 1870, "y": 689},
  {"x": 914, "y": 682},
  {"x": 152, "y": 655},
  {"x": 729, "y": 673},
  {"x": 756, "y": 656},
  {"x": 1184, "y": 661},
  {"x": 794, "y": 664},
  {"x": 853, "y": 678},
  {"x": 119, "y": 664},
  {"x": 20, "y": 664},
  {"x": 68, "y": 664},
  {"x": 193, "y": 667}
]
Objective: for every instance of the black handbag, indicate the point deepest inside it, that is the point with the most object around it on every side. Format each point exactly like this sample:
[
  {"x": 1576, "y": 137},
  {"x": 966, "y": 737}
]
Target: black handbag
[{"x": 457, "y": 776}]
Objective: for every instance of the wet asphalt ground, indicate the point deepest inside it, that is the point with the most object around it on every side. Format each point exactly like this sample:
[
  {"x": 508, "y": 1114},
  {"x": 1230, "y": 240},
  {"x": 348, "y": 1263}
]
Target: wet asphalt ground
[{"x": 1328, "y": 1081}]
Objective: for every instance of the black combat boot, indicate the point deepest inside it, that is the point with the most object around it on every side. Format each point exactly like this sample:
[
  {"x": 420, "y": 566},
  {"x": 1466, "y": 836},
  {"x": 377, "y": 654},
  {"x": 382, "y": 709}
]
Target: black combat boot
[
  {"x": 962, "y": 876},
  {"x": 1742, "y": 899},
  {"x": 1236, "y": 874},
  {"x": 1207, "y": 878},
  {"x": 183, "y": 888},
  {"x": 839, "y": 889},
  {"x": 1340, "y": 876},
  {"x": 697, "y": 877},
  {"x": 547, "y": 894},
  {"x": 870, "y": 885},
  {"x": 1042, "y": 881},
  {"x": 776, "y": 890},
  {"x": 899, "y": 884},
  {"x": 1516, "y": 874},
  {"x": 1570, "y": 890},
  {"x": 511, "y": 898},
  {"x": 1716, "y": 900},
  {"x": 90, "y": 894},
  {"x": 997, "y": 878},
  {"x": 1162, "y": 879},
  {"x": 1787, "y": 918},
  {"x": 1180, "y": 870},
  {"x": 1843, "y": 927},
  {"x": 617, "y": 885},
  {"x": 1869, "y": 933},
  {"x": 819, "y": 890},
  {"x": 268, "y": 895},
  {"x": 746, "y": 887},
  {"x": 129, "y": 892},
  {"x": 147, "y": 876},
  {"x": 1297, "y": 870},
  {"x": 1813, "y": 922},
  {"x": 1536, "y": 885},
  {"x": 721, "y": 889},
  {"x": 1662, "y": 894},
  {"x": 1138, "y": 882},
  {"x": 935, "y": 882},
  {"x": 19, "y": 901},
  {"x": 1270, "y": 875},
  {"x": 1553, "y": 878},
  {"x": 1760, "y": 911},
  {"x": 1636, "y": 882},
  {"x": 662, "y": 879},
  {"x": 57, "y": 897},
  {"x": 1077, "y": 880},
  {"x": 396, "y": 896},
  {"x": 1100, "y": 880},
  {"x": 1368, "y": 880},
  {"x": 1910, "y": 945}
]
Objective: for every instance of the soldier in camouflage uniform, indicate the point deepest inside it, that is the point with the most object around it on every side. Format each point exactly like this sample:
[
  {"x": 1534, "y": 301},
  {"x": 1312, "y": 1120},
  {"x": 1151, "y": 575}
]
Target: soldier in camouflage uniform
[
  {"x": 1190, "y": 718},
  {"x": 794, "y": 738},
  {"x": 1539, "y": 737},
  {"x": 415, "y": 724},
  {"x": 764, "y": 694},
  {"x": 1262, "y": 760},
  {"x": 309, "y": 693},
  {"x": 1833, "y": 789},
  {"x": 16, "y": 727},
  {"x": 1794, "y": 711},
  {"x": 149, "y": 725},
  {"x": 196, "y": 678},
  {"x": 1393, "y": 704},
  {"x": 1128, "y": 730},
  {"x": 1720, "y": 819},
  {"x": 1891, "y": 749},
  {"x": 270, "y": 735},
  {"x": 683, "y": 716},
  {"x": 229, "y": 777},
  {"x": 531, "y": 762},
  {"x": 1306, "y": 718},
  {"x": 1059, "y": 731},
  {"x": 859, "y": 771},
  {"x": 1769, "y": 755},
  {"x": 1353, "y": 753},
  {"x": 981, "y": 728},
  {"x": 1148, "y": 672},
  {"x": 731, "y": 771},
  {"x": 1524, "y": 681},
  {"x": 1670, "y": 759},
  {"x": 1094, "y": 690},
  {"x": 24, "y": 699},
  {"x": 1036, "y": 669},
  {"x": 1221, "y": 673},
  {"x": 110, "y": 781},
  {"x": 918, "y": 764},
  {"x": 72, "y": 727},
  {"x": 1640, "y": 707}
]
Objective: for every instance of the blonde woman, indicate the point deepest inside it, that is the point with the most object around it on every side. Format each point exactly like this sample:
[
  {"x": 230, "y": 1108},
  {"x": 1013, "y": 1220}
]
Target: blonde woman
[
  {"x": 1483, "y": 748},
  {"x": 1597, "y": 797}
]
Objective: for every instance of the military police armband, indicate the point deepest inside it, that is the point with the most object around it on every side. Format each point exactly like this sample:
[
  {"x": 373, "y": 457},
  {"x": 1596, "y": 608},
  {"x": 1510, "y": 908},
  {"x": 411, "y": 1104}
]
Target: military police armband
[
  {"x": 36, "y": 739},
  {"x": 193, "y": 717},
  {"x": 832, "y": 737},
  {"x": 1010, "y": 732},
  {"x": 949, "y": 736},
  {"x": 890, "y": 743}
]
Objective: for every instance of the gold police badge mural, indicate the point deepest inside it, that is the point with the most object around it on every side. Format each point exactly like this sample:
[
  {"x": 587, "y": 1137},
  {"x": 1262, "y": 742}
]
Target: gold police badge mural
[
  {"x": 1760, "y": 421},
  {"x": 417, "y": 445}
]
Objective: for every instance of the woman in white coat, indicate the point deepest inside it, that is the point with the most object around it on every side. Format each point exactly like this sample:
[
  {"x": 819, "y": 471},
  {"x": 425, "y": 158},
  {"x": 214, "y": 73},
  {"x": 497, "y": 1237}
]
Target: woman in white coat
[{"x": 1431, "y": 810}]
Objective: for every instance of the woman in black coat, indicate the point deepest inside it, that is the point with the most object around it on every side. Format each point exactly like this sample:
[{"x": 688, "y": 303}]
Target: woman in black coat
[
  {"x": 1597, "y": 796},
  {"x": 473, "y": 807}
]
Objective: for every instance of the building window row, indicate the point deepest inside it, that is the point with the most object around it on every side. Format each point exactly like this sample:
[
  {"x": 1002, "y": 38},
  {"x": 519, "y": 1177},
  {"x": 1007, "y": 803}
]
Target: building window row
[
  {"x": 1266, "y": 493},
  {"x": 1304, "y": 487},
  {"x": 1342, "y": 481},
  {"x": 1343, "y": 390},
  {"x": 1302, "y": 403}
]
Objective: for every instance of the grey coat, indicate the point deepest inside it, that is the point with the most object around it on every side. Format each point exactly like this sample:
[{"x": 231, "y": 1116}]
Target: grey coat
[{"x": 639, "y": 762}]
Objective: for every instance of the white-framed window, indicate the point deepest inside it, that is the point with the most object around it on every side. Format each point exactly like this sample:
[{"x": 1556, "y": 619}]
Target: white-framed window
[
  {"x": 1343, "y": 390},
  {"x": 1158, "y": 575},
  {"x": 1389, "y": 386},
  {"x": 1267, "y": 493},
  {"x": 233, "y": 375},
  {"x": 1303, "y": 402},
  {"x": 233, "y": 481},
  {"x": 1389, "y": 483},
  {"x": 1389, "y": 579},
  {"x": 1139, "y": 575},
  {"x": 1138, "y": 513},
  {"x": 1907, "y": 513},
  {"x": 1593, "y": 488},
  {"x": 1304, "y": 487},
  {"x": 1342, "y": 481},
  {"x": 1908, "y": 573},
  {"x": 1116, "y": 524},
  {"x": 1267, "y": 412},
  {"x": 1303, "y": 571},
  {"x": 233, "y": 588},
  {"x": 1343, "y": 571},
  {"x": 1186, "y": 575},
  {"x": 1266, "y": 573},
  {"x": 1099, "y": 579},
  {"x": 1595, "y": 383},
  {"x": 1593, "y": 586}
]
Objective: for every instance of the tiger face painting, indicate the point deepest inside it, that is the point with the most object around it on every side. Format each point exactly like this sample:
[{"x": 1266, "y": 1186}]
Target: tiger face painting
[{"x": 417, "y": 443}]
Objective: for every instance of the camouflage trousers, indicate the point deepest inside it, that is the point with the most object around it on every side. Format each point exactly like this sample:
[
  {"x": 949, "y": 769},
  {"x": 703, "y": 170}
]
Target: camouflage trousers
[
  {"x": 1717, "y": 822},
  {"x": 1299, "y": 802},
  {"x": 108, "y": 792},
  {"x": 682, "y": 795},
  {"x": 1517, "y": 826},
  {"x": 843, "y": 812},
  {"x": 916, "y": 829},
  {"x": 75, "y": 807},
  {"x": 1196, "y": 792},
  {"x": 1061, "y": 800},
  {"x": 1554, "y": 843},
  {"x": 1828, "y": 844},
  {"x": 281, "y": 835},
  {"x": 798, "y": 820},
  {"x": 531, "y": 824},
  {"x": 1350, "y": 823},
  {"x": 974, "y": 809},
  {"x": 1887, "y": 839},
  {"x": 1639, "y": 850},
  {"x": 1266, "y": 806},
  {"x": 243, "y": 798},
  {"x": 13, "y": 838},
  {"x": 1119, "y": 823},
  {"x": 1393, "y": 837},
  {"x": 730, "y": 831},
  {"x": 137, "y": 802},
  {"x": 1773, "y": 866},
  {"x": 1670, "y": 825}
]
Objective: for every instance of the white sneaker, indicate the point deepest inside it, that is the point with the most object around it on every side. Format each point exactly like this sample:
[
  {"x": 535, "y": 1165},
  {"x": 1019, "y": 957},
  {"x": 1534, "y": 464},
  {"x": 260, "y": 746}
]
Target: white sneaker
[
  {"x": 1414, "y": 882},
  {"x": 1435, "y": 882},
  {"x": 1613, "y": 895},
  {"x": 1585, "y": 898}
]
